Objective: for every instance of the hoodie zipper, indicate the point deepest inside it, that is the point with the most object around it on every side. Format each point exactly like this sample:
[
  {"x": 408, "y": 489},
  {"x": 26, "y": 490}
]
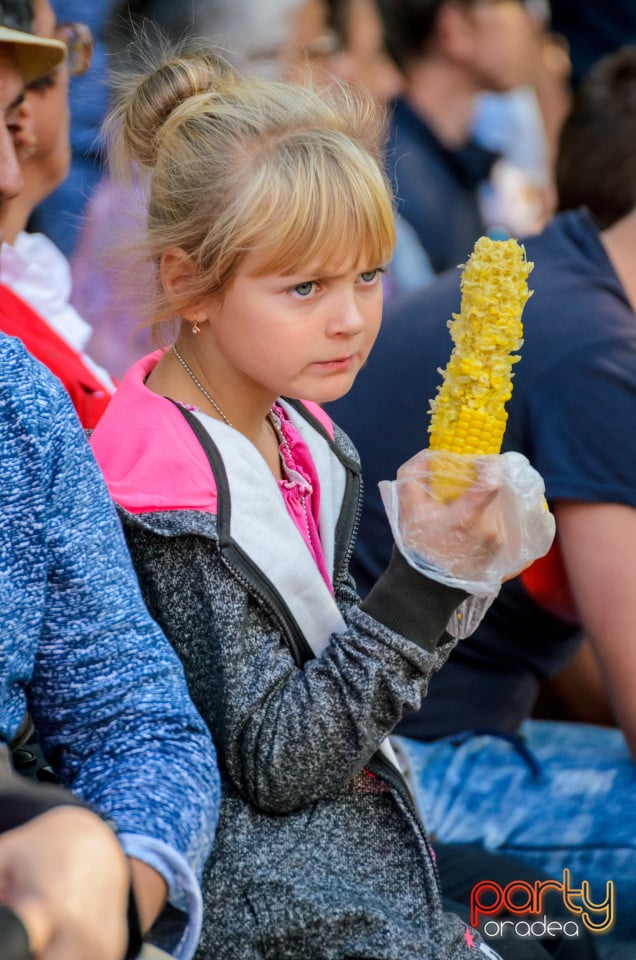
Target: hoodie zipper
[
  {"x": 250, "y": 576},
  {"x": 243, "y": 568}
]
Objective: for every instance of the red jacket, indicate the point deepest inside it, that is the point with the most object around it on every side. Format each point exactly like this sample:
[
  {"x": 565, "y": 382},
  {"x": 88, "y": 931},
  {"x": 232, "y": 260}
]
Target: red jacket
[{"x": 89, "y": 395}]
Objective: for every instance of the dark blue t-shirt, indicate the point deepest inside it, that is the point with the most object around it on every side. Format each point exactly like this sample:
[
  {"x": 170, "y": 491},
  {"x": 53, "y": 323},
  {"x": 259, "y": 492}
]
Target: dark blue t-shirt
[
  {"x": 572, "y": 413},
  {"x": 593, "y": 30},
  {"x": 436, "y": 188}
]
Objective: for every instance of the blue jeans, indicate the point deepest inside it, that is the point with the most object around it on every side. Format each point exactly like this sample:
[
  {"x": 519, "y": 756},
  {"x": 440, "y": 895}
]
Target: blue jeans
[{"x": 559, "y": 795}]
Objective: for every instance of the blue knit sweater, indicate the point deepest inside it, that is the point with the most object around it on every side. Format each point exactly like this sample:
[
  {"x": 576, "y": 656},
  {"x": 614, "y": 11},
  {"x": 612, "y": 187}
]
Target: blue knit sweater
[{"x": 78, "y": 649}]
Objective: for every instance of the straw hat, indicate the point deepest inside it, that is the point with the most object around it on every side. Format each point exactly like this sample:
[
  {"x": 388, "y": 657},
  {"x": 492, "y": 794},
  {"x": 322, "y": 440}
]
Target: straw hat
[{"x": 35, "y": 55}]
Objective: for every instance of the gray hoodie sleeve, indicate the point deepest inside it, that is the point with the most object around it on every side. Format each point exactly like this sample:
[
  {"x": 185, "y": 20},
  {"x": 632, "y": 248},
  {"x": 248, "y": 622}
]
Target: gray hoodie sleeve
[{"x": 289, "y": 733}]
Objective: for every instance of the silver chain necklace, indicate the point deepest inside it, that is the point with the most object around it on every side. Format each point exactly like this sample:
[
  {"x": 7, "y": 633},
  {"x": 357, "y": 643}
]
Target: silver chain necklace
[{"x": 197, "y": 382}]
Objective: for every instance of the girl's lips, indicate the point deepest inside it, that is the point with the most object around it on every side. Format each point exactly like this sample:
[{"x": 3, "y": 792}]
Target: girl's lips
[{"x": 342, "y": 363}]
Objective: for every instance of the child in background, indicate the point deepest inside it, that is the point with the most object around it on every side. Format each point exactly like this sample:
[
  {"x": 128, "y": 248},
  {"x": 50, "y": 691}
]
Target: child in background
[{"x": 269, "y": 220}]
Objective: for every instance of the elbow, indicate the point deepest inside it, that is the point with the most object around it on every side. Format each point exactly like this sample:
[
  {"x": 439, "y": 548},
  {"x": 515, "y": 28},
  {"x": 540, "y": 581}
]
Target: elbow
[
  {"x": 275, "y": 799},
  {"x": 272, "y": 788}
]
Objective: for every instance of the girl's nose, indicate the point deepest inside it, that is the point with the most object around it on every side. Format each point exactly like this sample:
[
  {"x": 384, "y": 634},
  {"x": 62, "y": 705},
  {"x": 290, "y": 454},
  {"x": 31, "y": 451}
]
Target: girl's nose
[{"x": 347, "y": 318}]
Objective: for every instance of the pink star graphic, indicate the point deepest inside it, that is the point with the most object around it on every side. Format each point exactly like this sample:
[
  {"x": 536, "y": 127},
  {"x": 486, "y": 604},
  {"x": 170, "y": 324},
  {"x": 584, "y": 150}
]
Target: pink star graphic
[{"x": 470, "y": 938}]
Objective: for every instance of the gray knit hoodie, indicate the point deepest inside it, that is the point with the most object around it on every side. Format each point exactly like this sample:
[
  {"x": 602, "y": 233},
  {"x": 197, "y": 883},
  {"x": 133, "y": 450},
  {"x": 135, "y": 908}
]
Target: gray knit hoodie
[{"x": 319, "y": 852}]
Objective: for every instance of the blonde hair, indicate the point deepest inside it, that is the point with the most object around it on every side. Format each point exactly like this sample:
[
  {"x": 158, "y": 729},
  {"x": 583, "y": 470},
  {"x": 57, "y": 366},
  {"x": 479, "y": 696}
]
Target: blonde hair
[{"x": 238, "y": 166}]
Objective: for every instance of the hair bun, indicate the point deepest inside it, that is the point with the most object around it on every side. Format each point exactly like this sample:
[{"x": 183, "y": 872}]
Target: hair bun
[{"x": 150, "y": 100}]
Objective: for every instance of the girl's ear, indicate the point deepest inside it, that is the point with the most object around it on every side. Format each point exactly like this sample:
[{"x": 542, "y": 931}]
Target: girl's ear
[{"x": 176, "y": 271}]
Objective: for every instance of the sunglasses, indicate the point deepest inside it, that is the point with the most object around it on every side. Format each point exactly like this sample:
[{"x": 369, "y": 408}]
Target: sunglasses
[{"x": 79, "y": 45}]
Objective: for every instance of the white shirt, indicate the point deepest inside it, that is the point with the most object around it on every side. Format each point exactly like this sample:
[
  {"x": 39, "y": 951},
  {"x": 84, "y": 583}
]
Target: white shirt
[{"x": 38, "y": 272}]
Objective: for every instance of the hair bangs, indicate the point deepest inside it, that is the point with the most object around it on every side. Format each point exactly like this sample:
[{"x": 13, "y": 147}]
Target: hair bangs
[{"x": 325, "y": 207}]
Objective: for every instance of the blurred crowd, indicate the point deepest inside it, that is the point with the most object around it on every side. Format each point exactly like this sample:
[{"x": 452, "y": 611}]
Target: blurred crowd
[
  {"x": 492, "y": 129},
  {"x": 471, "y": 150},
  {"x": 488, "y": 166}
]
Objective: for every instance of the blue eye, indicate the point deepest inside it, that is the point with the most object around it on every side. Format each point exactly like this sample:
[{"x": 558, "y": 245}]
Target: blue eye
[
  {"x": 305, "y": 289},
  {"x": 370, "y": 275}
]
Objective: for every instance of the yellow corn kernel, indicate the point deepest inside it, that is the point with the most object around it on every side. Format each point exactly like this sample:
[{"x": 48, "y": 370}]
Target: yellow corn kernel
[{"x": 468, "y": 414}]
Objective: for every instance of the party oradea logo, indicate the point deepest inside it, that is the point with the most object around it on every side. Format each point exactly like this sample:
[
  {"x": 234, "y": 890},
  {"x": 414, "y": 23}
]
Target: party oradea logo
[{"x": 527, "y": 915}]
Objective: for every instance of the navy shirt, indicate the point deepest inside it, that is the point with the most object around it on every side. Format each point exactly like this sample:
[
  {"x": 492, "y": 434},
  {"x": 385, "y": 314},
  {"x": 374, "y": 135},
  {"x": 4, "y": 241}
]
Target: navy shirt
[
  {"x": 572, "y": 413},
  {"x": 593, "y": 30},
  {"x": 436, "y": 188}
]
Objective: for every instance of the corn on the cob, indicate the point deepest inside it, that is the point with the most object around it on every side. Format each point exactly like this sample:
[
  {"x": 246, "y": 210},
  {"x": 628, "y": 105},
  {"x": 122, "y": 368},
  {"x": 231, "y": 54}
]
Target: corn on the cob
[{"x": 468, "y": 415}]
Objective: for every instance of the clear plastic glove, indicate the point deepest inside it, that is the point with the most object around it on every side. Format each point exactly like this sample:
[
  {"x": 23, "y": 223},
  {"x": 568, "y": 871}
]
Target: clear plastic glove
[{"x": 483, "y": 537}]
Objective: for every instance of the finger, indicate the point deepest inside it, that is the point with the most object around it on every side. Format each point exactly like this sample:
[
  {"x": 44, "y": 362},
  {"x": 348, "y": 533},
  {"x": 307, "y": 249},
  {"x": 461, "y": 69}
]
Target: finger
[
  {"x": 475, "y": 500},
  {"x": 418, "y": 467}
]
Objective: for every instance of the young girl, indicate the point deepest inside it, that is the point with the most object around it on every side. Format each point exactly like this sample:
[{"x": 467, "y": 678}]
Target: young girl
[{"x": 269, "y": 220}]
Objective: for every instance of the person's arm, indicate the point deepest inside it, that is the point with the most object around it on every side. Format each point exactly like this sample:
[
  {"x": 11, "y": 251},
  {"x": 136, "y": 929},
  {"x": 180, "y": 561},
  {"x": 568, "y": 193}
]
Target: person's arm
[
  {"x": 108, "y": 695},
  {"x": 598, "y": 541},
  {"x": 340, "y": 705},
  {"x": 577, "y": 692},
  {"x": 151, "y": 891}
]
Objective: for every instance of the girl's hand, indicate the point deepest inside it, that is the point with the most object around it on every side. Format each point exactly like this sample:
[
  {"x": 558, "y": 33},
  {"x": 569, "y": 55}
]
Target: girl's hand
[
  {"x": 461, "y": 535},
  {"x": 491, "y": 531}
]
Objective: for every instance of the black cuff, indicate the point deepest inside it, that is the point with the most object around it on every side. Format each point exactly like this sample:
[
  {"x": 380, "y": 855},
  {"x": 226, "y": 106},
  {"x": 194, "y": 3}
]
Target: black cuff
[
  {"x": 412, "y": 605},
  {"x": 13, "y": 936}
]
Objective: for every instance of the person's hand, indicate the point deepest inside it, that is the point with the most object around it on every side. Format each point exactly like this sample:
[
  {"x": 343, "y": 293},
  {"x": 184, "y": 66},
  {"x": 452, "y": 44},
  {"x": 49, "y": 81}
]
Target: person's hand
[
  {"x": 67, "y": 878},
  {"x": 496, "y": 525},
  {"x": 461, "y": 535}
]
